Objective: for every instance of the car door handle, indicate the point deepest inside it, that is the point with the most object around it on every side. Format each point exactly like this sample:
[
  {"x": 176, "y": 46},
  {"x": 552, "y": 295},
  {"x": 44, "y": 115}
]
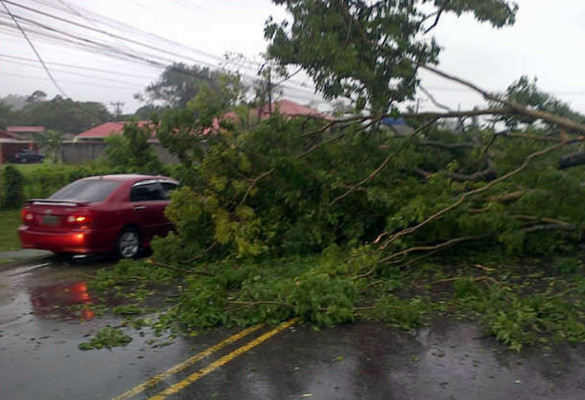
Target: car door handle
[{"x": 138, "y": 208}]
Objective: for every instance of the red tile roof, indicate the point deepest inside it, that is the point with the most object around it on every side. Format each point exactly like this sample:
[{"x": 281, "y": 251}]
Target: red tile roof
[
  {"x": 7, "y": 135},
  {"x": 24, "y": 129},
  {"x": 285, "y": 107},
  {"x": 292, "y": 109},
  {"x": 104, "y": 130}
]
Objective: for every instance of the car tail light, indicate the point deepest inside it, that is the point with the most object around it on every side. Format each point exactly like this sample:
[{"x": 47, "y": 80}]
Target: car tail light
[
  {"x": 79, "y": 220},
  {"x": 27, "y": 216}
]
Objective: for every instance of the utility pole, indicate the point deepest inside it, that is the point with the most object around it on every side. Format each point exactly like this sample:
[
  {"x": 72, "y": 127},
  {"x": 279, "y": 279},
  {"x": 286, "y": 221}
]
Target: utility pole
[
  {"x": 269, "y": 89},
  {"x": 265, "y": 89},
  {"x": 118, "y": 108},
  {"x": 418, "y": 102}
]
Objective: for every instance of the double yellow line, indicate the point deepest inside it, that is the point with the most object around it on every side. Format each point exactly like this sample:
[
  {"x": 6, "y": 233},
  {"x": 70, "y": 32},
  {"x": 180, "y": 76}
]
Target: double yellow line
[{"x": 199, "y": 356}]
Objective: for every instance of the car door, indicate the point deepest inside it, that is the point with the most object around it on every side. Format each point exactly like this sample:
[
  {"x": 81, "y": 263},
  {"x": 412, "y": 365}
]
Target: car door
[{"x": 148, "y": 205}]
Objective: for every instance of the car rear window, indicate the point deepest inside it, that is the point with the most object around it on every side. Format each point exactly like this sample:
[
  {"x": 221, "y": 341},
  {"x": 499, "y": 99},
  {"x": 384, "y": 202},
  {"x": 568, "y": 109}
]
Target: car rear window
[{"x": 86, "y": 190}]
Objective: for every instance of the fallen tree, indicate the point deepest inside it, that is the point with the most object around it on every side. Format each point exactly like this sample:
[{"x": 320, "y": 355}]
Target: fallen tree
[{"x": 337, "y": 220}]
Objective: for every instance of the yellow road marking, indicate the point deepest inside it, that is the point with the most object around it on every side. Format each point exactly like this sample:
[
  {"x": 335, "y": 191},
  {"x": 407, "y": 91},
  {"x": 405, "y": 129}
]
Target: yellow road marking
[
  {"x": 224, "y": 360},
  {"x": 181, "y": 366}
]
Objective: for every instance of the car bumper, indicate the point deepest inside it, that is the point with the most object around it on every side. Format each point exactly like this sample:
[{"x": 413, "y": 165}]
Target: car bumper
[{"x": 79, "y": 241}]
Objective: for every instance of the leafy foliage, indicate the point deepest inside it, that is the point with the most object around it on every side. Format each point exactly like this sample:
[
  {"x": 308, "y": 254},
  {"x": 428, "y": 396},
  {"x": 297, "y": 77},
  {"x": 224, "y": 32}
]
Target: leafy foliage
[
  {"x": 131, "y": 151},
  {"x": 365, "y": 50},
  {"x": 11, "y": 188},
  {"x": 63, "y": 115},
  {"x": 5, "y": 113},
  {"x": 518, "y": 317},
  {"x": 526, "y": 93},
  {"x": 107, "y": 337},
  {"x": 179, "y": 83},
  {"x": 44, "y": 179},
  {"x": 50, "y": 144}
]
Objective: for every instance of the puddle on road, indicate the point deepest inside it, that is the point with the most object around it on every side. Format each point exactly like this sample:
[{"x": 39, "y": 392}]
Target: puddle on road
[
  {"x": 63, "y": 301},
  {"x": 48, "y": 289}
]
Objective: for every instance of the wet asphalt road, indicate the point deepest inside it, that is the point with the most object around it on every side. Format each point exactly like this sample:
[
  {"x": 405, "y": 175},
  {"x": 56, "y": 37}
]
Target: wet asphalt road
[{"x": 39, "y": 358}]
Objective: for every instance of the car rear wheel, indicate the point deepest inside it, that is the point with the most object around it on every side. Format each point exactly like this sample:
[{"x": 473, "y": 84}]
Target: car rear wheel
[{"x": 128, "y": 243}]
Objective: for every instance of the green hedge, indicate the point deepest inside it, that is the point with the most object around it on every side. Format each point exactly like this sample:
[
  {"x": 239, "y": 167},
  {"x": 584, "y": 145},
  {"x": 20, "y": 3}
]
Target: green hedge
[
  {"x": 20, "y": 182},
  {"x": 11, "y": 184}
]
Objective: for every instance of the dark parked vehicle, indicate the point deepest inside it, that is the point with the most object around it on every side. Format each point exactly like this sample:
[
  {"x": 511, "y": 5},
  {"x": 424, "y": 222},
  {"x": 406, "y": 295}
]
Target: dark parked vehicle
[
  {"x": 28, "y": 156},
  {"x": 100, "y": 214}
]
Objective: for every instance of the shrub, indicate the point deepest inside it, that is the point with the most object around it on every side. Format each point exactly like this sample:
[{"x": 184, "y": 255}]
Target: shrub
[{"x": 12, "y": 188}]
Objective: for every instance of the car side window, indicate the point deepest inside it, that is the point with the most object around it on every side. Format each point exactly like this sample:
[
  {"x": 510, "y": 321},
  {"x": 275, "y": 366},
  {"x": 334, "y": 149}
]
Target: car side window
[
  {"x": 168, "y": 188},
  {"x": 146, "y": 192}
]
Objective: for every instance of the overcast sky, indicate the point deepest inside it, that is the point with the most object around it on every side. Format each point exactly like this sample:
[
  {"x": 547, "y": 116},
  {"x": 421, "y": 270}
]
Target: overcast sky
[{"x": 543, "y": 43}]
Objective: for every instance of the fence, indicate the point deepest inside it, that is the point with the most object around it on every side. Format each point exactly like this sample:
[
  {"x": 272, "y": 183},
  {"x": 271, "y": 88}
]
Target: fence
[{"x": 81, "y": 152}]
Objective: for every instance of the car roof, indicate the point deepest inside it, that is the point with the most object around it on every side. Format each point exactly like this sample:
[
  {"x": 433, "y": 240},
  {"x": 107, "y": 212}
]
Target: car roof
[{"x": 127, "y": 177}]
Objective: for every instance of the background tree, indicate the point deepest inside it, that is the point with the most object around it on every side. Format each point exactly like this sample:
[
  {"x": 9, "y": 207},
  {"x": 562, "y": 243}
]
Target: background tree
[
  {"x": 36, "y": 96},
  {"x": 16, "y": 101},
  {"x": 63, "y": 115},
  {"x": 178, "y": 84},
  {"x": 131, "y": 151},
  {"x": 5, "y": 114},
  {"x": 50, "y": 144},
  {"x": 185, "y": 132},
  {"x": 146, "y": 111},
  {"x": 366, "y": 50}
]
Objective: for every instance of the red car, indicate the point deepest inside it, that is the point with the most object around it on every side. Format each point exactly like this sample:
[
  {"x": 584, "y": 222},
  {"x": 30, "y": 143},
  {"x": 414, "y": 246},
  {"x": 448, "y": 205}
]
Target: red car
[{"x": 119, "y": 213}]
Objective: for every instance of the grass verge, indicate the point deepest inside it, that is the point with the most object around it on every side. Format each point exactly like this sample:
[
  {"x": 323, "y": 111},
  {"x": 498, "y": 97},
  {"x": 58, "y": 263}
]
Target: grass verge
[{"x": 9, "y": 222}]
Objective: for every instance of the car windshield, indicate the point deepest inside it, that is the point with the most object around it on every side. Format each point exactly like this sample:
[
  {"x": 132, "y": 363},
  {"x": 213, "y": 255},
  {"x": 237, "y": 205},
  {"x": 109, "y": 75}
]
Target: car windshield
[{"x": 86, "y": 190}]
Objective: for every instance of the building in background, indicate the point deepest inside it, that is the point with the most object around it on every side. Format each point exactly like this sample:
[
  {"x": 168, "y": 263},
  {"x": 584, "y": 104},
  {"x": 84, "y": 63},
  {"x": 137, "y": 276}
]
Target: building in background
[{"x": 26, "y": 132}]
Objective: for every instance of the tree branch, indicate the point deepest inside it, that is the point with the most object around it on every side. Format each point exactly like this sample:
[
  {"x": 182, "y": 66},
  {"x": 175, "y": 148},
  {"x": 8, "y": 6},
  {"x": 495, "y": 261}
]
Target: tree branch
[
  {"x": 181, "y": 270},
  {"x": 463, "y": 197},
  {"x": 202, "y": 253},
  {"x": 432, "y": 98},
  {"x": 543, "y": 115},
  {"x": 549, "y": 227},
  {"x": 507, "y": 197},
  {"x": 253, "y": 183},
  {"x": 444, "y": 145},
  {"x": 485, "y": 175},
  {"x": 431, "y": 248},
  {"x": 438, "y": 246},
  {"x": 544, "y": 219},
  {"x": 247, "y": 304},
  {"x": 384, "y": 163},
  {"x": 437, "y": 18}
]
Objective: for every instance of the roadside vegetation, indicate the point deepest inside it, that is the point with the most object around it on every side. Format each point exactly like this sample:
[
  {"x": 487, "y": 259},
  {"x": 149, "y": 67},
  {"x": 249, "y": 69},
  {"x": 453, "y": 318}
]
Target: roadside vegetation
[{"x": 10, "y": 220}]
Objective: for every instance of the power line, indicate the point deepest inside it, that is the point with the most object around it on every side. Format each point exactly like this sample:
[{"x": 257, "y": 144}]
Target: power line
[
  {"x": 49, "y": 74},
  {"x": 125, "y": 83},
  {"x": 73, "y": 66},
  {"x": 164, "y": 40},
  {"x": 99, "y": 31},
  {"x": 34, "y": 49},
  {"x": 67, "y": 81},
  {"x": 74, "y": 11},
  {"x": 138, "y": 57},
  {"x": 108, "y": 50},
  {"x": 93, "y": 44}
]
